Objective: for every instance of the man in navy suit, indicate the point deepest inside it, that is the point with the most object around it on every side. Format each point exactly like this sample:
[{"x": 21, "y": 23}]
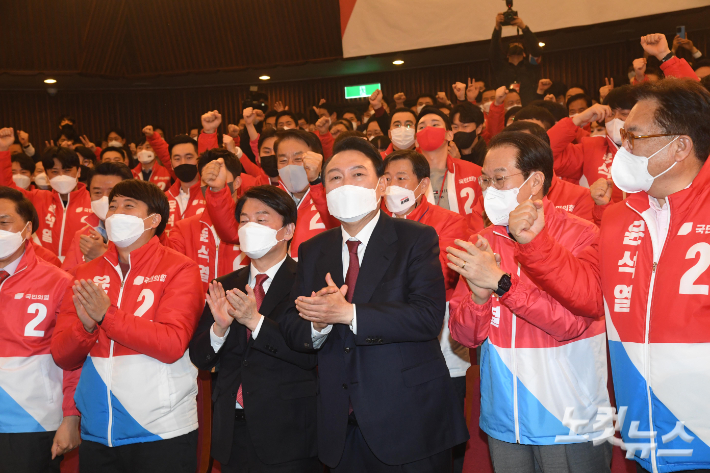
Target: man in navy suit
[{"x": 370, "y": 299}]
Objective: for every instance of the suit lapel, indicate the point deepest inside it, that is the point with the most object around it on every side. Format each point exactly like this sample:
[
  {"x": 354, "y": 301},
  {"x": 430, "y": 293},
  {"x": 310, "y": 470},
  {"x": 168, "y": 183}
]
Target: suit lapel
[
  {"x": 331, "y": 260},
  {"x": 238, "y": 333},
  {"x": 280, "y": 287},
  {"x": 380, "y": 251}
]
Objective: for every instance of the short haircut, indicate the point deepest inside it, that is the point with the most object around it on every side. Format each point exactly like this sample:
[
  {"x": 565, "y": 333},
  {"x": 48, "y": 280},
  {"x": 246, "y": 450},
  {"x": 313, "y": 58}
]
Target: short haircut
[
  {"x": 306, "y": 137},
  {"x": 354, "y": 143},
  {"x": 380, "y": 142},
  {"x": 328, "y": 108},
  {"x": 403, "y": 110},
  {"x": 701, "y": 63},
  {"x": 531, "y": 112},
  {"x": 468, "y": 113},
  {"x": 511, "y": 112},
  {"x": 428, "y": 110},
  {"x": 69, "y": 133},
  {"x": 275, "y": 198},
  {"x": 532, "y": 154},
  {"x": 705, "y": 82},
  {"x": 558, "y": 89},
  {"x": 118, "y": 131},
  {"x": 162, "y": 128},
  {"x": 358, "y": 115},
  {"x": 180, "y": 140},
  {"x": 287, "y": 113},
  {"x": 576, "y": 97},
  {"x": 111, "y": 169},
  {"x": 419, "y": 163},
  {"x": 532, "y": 128},
  {"x": 115, "y": 149},
  {"x": 558, "y": 111},
  {"x": 349, "y": 133},
  {"x": 269, "y": 114},
  {"x": 23, "y": 206},
  {"x": 263, "y": 136},
  {"x": 622, "y": 98},
  {"x": 85, "y": 153},
  {"x": 26, "y": 163},
  {"x": 442, "y": 106},
  {"x": 66, "y": 156},
  {"x": 149, "y": 194},
  {"x": 194, "y": 126},
  {"x": 346, "y": 123},
  {"x": 577, "y": 86},
  {"x": 683, "y": 109},
  {"x": 429, "y": 96},
  {"x": 230, "y": 160}
]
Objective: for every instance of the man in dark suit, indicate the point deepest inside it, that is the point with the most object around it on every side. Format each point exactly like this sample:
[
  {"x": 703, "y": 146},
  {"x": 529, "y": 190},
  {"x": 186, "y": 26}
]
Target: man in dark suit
[
  {"x": 273, "y": 427},
  {"x": 386, "y": 400}
]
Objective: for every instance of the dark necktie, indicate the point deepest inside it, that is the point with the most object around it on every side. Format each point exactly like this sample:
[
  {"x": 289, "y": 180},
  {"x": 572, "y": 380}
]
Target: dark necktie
[
  {"x": 259, "y": 295},
  {"x": 3, "y": 275},
  {"x": 353, "y": 269}
]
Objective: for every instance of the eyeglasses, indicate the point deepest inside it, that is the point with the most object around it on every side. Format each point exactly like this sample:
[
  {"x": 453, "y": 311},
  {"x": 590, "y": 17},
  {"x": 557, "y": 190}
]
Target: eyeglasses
[
  {"x": 497, "y": 182},
  {"x": 408, "y": 126},
  {"x": 630, "y": 137}
]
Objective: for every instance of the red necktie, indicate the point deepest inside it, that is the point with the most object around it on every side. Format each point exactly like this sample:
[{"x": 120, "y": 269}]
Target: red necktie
[
  {"x": 259, "y": 295},
  {"x": 353, "y": 269},
  {"x": 3, "y": 275}
]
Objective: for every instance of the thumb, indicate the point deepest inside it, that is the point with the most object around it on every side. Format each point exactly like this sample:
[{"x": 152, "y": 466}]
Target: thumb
[
  {"x": 609, "y": 187},
  {"x": 55, "y": 449},
  {"x": 538, "y": 204},
  {"x": 250, "y": 291},
  {"x": 329, "y": 280},
  {"x": 344, "y": 290},
  {"x": 220, "y": 161}
]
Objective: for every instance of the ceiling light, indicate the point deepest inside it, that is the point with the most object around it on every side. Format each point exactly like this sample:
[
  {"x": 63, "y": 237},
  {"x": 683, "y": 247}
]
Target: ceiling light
[
  {"x": 398, "y": 62},
  {"x": 50, "y": 81},
  {"x": 264, "y": 77},
  {"x": 541, "y": 44}
]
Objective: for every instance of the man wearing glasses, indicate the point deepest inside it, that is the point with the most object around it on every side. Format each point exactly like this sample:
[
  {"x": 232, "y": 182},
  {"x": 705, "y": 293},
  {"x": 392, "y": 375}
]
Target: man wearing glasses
[{"x": 649, "y": 276}]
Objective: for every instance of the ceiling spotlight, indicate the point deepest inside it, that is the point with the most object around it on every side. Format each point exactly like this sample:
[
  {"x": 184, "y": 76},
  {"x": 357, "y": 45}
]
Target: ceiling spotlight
[
  {"x": 398, "y": 62},
  {"x": 541, "y": 44},
  {"x": 264, "y": 77},
  {"x": 50, "y": 81}
]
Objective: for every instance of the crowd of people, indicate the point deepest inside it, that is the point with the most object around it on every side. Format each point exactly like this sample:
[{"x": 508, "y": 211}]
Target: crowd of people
[{"x": 335, "y": 276}]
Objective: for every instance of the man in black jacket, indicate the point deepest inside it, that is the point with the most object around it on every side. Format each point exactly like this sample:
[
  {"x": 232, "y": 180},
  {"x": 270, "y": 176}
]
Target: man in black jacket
[
  {"x": 370, "y": 298},
  {"x": 265, "y": 397}
]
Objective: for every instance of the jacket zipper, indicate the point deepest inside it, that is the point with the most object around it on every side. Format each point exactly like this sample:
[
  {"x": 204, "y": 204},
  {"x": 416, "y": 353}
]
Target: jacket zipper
[
  {"x": 110, "y": 357},
  {"x": 216, "y": 251},
  {"x": 515, "y": 376},
  {"x": 18, "y": 271},
  {"x": 64, "y": 219}
]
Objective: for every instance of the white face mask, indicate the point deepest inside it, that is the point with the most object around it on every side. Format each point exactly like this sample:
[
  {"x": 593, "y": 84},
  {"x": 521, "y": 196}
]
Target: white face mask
[
  {"x": 402, "y": 137},
  {"x": 486, "y": 107},
  {"x": 613, "y": 130},
  {"x": 294, "y": 178},
  {"x": 255, "y": 240},
  {"x": 398, "y": 199},
  {"x": 123, "y": 229},
  {"x": 499, "y": 203},
  {"x": 21, "y": 180},
  {"x": 100, "y": 207},
  {"x": 145, "y": 156},
  {"x": 630, "y": 172},
  {"x": 10, "y": 242},
  {"x": 115, "y": 144},
  {"x": 41, "y": 181},
  {"x": 63, "y": 184},
  {"x": 420, "y": 107},
  {"x": 351, "y": 203}
]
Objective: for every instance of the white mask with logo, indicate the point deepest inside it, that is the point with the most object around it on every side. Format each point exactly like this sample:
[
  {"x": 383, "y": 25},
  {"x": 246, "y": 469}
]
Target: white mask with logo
[
  {"x": 398, "y": 199},
  {"x": 145, "y": 156}
]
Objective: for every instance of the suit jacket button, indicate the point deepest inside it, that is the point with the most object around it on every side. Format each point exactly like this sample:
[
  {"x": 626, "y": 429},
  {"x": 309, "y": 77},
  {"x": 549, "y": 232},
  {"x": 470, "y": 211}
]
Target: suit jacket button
[
  {"x": 347, "y": 349},
  {"x": 245, "y": 363},
  {"x": 209, "y": 357},
  {"x": 345, "y": 386},
  {"x": 234, "y": 394}
]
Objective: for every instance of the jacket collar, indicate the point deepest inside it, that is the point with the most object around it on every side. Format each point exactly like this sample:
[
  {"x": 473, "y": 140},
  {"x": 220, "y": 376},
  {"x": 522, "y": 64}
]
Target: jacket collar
[
  {"x": 28, "y": 260},
  {"x": 137, "y": 257},
  {"x": 175, "y": 189}
]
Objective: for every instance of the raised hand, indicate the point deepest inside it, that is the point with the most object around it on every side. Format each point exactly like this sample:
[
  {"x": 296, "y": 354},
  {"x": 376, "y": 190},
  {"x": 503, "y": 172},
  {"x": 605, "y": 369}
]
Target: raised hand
[
  {"x": 243, "y": 307},
  {"x": 442, "y": 98},
  {"x": 472, "y": 90},
  {"x": 87, "y": 142},
  {"x": 327, "y": 307},
  {"x": 211, "y": 121},
  {"x": 399, "y": 99},
  {"x": 479, "y": 266},
  {"x": 312, "y": 163},
  {"x": 215, "y": 174},
  {"x": 7, "y": 138},
  {"x": 459, "y": 89},
  {"x": 376, "y": 99},
  {"x": 323, "y": 125},
  {"x": 249, "y": 116},
  {"x": 655, "y": 45},
  {"x": 543, "y": 85},
  {"x": 601, "y": 191},
  {"x": 595, "y": 113},
  {"x": 550, "y": 98},
  {"x": 526, "y": 221},
  {"x": 639, "y": 66},
  {"x": 24, "y": 138},
  {"x": 219, "y": 306},
  {"x": 500, "y": 95},
  {"x": 518, "y": 22},
  {"x": 229, "y": 143},
  {"x": 148, "y": 131},
  {"x": 92, "y": 246},
  {"x": 605, "y": 89},
  {"x": 279, "y": 107},
  {"x": 233, "y": 130}
]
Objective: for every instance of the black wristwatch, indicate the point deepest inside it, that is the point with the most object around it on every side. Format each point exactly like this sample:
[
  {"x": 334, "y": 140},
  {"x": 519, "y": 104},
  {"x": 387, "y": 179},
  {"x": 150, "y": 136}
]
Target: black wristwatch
[
  {"x": 504, "y": 284},
  {"x": 667, "y": 57}
]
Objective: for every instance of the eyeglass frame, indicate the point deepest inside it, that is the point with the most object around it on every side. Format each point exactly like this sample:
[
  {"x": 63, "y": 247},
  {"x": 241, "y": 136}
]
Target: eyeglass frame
[
  {"x": 630, "y": 137},
  {"x": 481, "y": 180}
]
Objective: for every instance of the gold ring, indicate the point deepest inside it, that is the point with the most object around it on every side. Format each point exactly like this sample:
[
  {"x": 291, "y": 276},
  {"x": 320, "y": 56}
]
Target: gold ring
[{"x": 463, "y": 266}]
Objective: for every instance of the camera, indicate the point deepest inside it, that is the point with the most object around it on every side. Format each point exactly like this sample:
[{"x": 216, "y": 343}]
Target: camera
[
  {"x": 257, "y": 101},
  {"x": 509, "y": 15}
]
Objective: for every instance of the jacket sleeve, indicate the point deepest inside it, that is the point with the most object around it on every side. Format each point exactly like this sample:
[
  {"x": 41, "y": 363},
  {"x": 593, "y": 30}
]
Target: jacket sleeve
[
  {"x": 421, "y": 316},
  {"x": 161, "y": 150},
  {"x": 295, "y": 330},
  {"x": 468, "y": 322},
  {"x": 202, "y": 354},
  {"x": 326, "y": 142},
  {"x": 221, "y": 208},
  {"x": 175, "y": 240},
  {"x": 533, "y": 305},
  {"x": 71, "y": 343},
  {"x": 6, "y": 170},
  {"x": 598, "y": 213},
  {"x": 383, "y": 119},
  {"x": 318, "y": 196},
  {"x": 251, "y": 168},
  {"x": 676, "y": 67},
  {"x": 167, "y": 336},
  {"x": 495, "y": 122},
  {"x": 74, "y": 257},
  {"x": 206, "y": 141},
  {"x": 454, "y": 229},
  {"x": 496, "y": 51},
  {"x": 271, "y": 342},
  {"x": 568, "y": 157},
  {"x": 69, "y": 381},
  {"x": 532, "y": 45},
  {"x": 584, "y": 208},
  {"x": 572, "y": 280}
]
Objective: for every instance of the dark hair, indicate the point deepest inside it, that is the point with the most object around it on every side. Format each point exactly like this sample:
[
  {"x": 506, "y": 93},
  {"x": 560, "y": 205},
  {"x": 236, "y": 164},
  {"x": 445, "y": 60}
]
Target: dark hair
[
  {"x": 512, "y": 111},
  {"x": 558, "y": 111},
  {"x": 194, "y": 126},
  {"x": 327, "y": 107},
  {"x": 558, "y": 89},
  {"x": 346, "y": 123},
  {"x": 69, "y": 133},
  {"x": 433, "y": 99},
  {"x": 532, "y": 154},
  {"x": 468, "y": 113},
  {"x": 380, "y": 142},
  {"x": 118, "y": 131},
  {"x": 85, "y": 153},
  {"x": 683, "y": 109},
  {"x": 531, "y": 112},
  {"x": 306, "y": 137},
  {"x": 576, "y": 97},
  {"x": 531, "y": 127},
  {"x": 577, "y": 86},
  {"x": 263, "y": 136},
  {"x": 403, "y": 110},
  {"x": 358, "y": 115},
  {"x": 269, "y": 114},
  {"x": 115, "y": 149},
  {"x": 181, "y": 140},
  {"x": 704, "y": 62},
  {"x": 428, "y": 110},
  {"x": 441, "y": 106},
  {"x": 161, "y": 128},
  {"x": 275, "y": 198},
  {"x": 66, "y": 156},
  {"x": 622, "y": 98},
  {"x": 371, "y": 121},
  {"x": 419, "y": 163},
  {"x": 26, "y": 163},
  {"x": 23, "y": 206},
  {"x": 110, "y": 169},
  {"x": 149, "y": 194},
  {"x": 354, "y": 143},
  {"x": 66, "y": 117},
  {"x": 230, "y": 160},
  {"x": 705, "y": 82},
  {"x": 349, "y": 133},
  {"x": 287, "y": 113}
]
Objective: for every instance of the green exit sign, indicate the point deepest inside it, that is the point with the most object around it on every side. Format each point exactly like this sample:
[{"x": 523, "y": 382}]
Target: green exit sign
[{"x": 358, "y": 91}]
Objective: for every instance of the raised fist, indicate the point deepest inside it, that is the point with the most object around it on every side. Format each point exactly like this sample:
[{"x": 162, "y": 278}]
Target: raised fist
[{"x": 211, "y": 121}]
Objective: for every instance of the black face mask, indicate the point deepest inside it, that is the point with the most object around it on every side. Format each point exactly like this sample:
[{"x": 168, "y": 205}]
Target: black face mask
[
  {"x": 516, "y": 51},
  {"x": 186, "y": 172},
  {"x": 268, "y": 164},
  {"x": 464, "y": 140}
]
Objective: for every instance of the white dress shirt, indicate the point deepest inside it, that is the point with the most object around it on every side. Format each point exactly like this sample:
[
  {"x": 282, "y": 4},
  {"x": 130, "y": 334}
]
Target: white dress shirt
[
  {"x": 182, "y": 199},
  {"x": 12, "y": 267},
  {"x": 318, "y": 338}
]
